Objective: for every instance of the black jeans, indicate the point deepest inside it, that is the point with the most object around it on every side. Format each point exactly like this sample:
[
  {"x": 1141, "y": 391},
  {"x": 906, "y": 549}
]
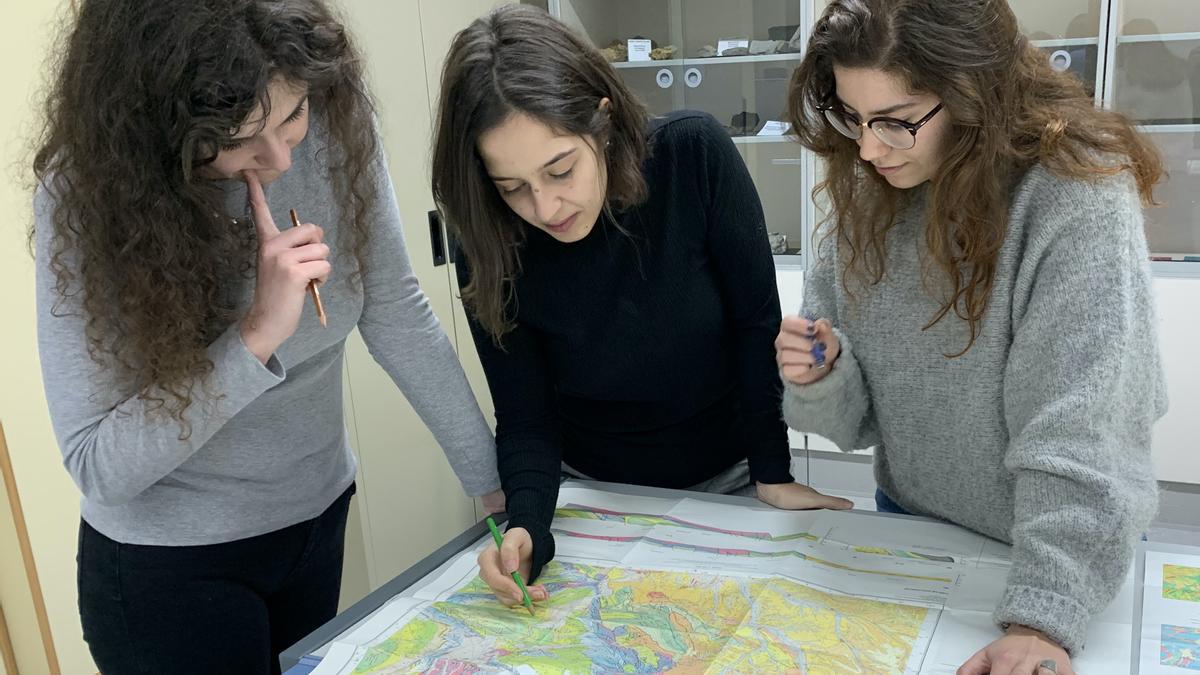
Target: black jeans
[{"x": 222, "y": 608}]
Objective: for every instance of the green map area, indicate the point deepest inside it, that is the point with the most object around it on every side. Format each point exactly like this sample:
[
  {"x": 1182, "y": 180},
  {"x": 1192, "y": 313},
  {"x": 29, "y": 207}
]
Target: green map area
[{"x": 1181, "y": 583}]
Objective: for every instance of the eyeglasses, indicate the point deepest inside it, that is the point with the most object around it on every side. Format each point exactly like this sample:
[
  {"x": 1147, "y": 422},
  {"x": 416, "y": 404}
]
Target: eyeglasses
[{"x": 892, "y": 132}]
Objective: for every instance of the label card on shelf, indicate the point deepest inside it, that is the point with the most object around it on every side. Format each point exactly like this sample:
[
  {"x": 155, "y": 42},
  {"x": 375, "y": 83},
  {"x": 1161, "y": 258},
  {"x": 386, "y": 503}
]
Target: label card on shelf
[
  {"x": 723, "y": 45},
  {"x": 774, "y": 128},
  {"x": 639, "y": 50}
]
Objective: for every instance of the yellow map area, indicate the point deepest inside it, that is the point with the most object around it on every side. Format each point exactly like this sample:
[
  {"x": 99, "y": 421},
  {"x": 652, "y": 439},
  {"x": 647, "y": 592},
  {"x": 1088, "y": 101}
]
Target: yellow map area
[
  {"x": 1181, "y": 583},
  {"x": 633, "y": 621}
]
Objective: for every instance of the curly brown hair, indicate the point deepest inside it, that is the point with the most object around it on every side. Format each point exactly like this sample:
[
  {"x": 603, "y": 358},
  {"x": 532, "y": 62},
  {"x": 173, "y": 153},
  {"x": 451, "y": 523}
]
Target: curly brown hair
[
  {"x": 518, "y": 59},
  {"x": 143, "y": 96},
  {"x": 1010, "y": 110}
]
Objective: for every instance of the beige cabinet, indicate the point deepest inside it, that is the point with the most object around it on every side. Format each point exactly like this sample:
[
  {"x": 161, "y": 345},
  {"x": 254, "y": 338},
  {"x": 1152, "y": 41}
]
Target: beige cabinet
[
  {"x": 409, "y": 501},
  {"x": 23, "y": 618}
]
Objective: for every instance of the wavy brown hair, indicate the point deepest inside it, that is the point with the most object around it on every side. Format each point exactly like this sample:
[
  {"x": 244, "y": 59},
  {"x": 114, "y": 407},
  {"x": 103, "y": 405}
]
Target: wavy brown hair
[
  {"x": 1009, "y": 111},
  {"x": 518, "y": 59},
  {"x": 143, "y": 96}
]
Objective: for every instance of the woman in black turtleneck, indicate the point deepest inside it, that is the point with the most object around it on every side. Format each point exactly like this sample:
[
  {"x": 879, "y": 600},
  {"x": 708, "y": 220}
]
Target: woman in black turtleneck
[{"x": 618, "y": 279}]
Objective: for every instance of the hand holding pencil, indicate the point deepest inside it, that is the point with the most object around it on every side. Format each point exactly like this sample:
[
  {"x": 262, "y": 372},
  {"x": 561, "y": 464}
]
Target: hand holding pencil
[
  {"x": 497, "y": 565},
  {"x": 516, "y": 575},
  {"x": 288, "y": 263}
]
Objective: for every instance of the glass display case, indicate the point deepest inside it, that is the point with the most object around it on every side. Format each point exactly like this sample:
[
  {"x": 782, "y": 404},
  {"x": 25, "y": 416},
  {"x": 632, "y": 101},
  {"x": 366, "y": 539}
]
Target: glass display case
[
  {"x": 1155, "y": 68},
  {"x": 1069, "y": 33},
  {"x": 731, "y": 59},
  {"x": 734, "y": 59}
]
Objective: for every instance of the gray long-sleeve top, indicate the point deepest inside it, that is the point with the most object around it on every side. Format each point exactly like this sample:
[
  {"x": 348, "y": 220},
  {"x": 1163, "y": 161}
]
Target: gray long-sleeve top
[{"x": 268, "y": 445}]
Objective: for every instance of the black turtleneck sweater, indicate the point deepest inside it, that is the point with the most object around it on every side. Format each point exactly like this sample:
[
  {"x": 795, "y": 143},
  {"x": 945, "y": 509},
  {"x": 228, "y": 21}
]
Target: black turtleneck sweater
[{"x": 645, "y": 356}]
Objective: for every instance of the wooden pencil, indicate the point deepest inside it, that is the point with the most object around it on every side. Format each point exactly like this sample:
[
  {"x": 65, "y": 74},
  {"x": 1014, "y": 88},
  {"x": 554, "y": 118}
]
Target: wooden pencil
[{"x": 312, "y": 284}]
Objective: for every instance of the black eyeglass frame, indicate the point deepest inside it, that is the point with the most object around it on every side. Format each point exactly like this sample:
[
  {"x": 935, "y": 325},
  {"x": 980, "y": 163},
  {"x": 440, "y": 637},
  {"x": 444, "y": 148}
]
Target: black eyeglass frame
[{"x": 835, "y": 106}]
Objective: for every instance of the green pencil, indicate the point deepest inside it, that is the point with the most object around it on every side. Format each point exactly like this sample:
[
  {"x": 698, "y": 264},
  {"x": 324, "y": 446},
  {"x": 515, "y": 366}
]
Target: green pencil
[{"x": 515, "y": 575}]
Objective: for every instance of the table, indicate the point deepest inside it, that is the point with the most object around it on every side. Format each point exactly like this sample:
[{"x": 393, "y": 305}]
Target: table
[{"x": 963, "y": 629}]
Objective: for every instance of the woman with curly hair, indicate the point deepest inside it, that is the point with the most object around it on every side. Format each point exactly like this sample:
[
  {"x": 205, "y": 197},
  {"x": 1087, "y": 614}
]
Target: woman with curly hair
[
  {"x": 980, "y": 308},
  {"x": 197, "y": 403}
]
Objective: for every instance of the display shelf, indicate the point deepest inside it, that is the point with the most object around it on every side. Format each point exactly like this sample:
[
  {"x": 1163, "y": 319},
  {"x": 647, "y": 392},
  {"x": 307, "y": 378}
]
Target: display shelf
[{"x": 709, "y": 61}]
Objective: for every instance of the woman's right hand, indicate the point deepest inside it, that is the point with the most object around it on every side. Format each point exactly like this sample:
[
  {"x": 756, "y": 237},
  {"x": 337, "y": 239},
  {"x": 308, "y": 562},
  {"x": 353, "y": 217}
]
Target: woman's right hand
[
  {"x": 287, "y": 261},
  {"x": 496, "y": 566},
  {"x": 806, "y": 349}
]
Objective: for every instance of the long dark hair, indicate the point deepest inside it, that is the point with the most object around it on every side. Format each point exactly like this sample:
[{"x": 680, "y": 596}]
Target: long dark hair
[
  {"x": 518, "y": 59},
  {"x": 1009, "y": 110},
  {"x": 143, "y": 96}
]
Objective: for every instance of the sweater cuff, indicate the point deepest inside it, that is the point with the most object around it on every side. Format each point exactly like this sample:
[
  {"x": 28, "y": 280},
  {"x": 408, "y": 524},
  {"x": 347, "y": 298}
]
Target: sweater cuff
[
  {"x": 543, "y": 544},
  {"x": 479, "y": 489},
  {"x": 1059, "y": 617}
]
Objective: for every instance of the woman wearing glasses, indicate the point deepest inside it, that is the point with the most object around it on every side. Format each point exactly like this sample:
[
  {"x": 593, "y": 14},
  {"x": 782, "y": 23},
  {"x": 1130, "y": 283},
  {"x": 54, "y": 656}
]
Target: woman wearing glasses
[{"x": 979, "y": 309}]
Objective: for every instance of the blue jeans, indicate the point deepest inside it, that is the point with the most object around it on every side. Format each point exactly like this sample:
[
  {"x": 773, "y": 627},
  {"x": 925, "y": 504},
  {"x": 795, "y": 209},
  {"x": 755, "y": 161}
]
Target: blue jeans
[{"x": 884, "y": 504}]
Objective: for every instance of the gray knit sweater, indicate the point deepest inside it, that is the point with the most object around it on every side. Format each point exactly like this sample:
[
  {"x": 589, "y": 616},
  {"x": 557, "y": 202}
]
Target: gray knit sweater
[
  {"x": 269, "y": 447},
  {"x": 1040, "y": 434}
]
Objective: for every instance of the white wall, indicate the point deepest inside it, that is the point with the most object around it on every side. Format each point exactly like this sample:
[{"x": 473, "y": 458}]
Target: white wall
[
  {"x": 49, "y": 498},
  {"x": 1175, "y": 436}
]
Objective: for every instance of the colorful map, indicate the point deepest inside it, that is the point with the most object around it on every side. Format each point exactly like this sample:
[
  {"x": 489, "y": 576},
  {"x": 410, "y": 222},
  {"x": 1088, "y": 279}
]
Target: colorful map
[
  {"x": 613, "y": 620},
  {"x": 1181, "y": 583},
  {"x": 1180, "y": 647}
]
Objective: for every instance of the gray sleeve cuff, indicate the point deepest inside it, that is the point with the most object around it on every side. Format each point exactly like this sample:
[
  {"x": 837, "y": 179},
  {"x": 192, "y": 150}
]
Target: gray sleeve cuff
[
  {"x": 1061, "y": 618},
  {"x": 835, "y": 406},
  {"x": 238, "y": 374},
  {"x": 481, "y": 488}
]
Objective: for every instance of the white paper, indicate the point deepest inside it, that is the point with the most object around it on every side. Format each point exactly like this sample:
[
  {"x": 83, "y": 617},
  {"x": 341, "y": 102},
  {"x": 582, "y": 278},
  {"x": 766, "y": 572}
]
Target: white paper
[
  {"x": 774, "y": 128},
  {"x": 1170, "y": 630},
  {"x": 722, "y": 45},
  {"x": 960, "y": 634},
  {"x": 639, "y": 50},
  {"x": 340, "y": 658}
]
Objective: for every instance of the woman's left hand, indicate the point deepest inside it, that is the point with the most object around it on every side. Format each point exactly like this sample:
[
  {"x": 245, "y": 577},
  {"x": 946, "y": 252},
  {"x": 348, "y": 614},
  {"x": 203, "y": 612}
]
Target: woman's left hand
[
  {"x": 795, "y": 496},
  {"x": 1018, "y": 653}
]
